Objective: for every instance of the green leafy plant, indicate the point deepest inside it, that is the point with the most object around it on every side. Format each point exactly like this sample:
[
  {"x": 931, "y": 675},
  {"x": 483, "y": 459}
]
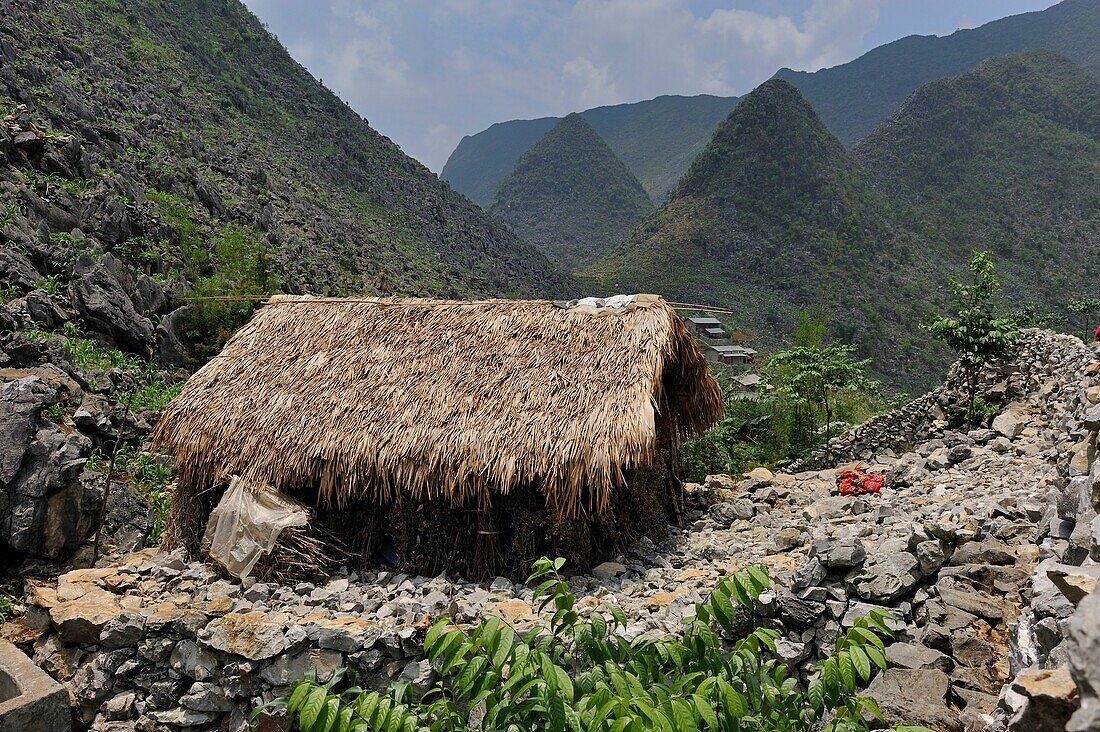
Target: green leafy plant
[
  {"x": 579, "y": 674},
  {"x": 51, "y": 284},
  {"x": 90, "y": 353},
  {"x": 76, "y": 187},
  {"x": 770, "y": 427},
  {"x": 156, "y": 392},
  {"x": 975, "y": 330},
  {"x": 56, "y": 412},
  {"x": 8, "y": 212},
  {"x": 150, "y": 473},
  {"x": 226, "y": 298}
]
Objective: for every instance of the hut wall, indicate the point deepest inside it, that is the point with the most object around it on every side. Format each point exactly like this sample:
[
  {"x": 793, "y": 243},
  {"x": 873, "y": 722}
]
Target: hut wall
[{"x": 429, "y": 537}]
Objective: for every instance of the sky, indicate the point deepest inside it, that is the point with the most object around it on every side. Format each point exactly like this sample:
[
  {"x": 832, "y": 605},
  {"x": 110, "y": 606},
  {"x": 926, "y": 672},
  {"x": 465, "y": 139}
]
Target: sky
[{"x": 426, "y": 72}]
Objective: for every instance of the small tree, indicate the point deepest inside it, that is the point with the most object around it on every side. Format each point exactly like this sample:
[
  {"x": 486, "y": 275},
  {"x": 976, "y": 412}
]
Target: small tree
[
  {"x": 1086, "y": 308},
  {"x": 976, "y": 331},
  {"x": 817, "y": 374}
]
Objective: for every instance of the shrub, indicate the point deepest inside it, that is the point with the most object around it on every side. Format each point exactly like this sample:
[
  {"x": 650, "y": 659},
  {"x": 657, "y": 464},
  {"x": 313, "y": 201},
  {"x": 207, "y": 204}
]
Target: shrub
[
  {"x": 241, "y": 269},
  {"x": 581, "y": 675},
  {"x": 818, "y": 376},
  {"x": 151, "y": 474},
  {"x": 975, "y": 330}
]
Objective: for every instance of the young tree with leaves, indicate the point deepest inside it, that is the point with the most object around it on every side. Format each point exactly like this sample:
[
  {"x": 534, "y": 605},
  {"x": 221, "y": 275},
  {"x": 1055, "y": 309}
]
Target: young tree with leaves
[
  {"x": 975, "y": 330},
  {"x": 817, "y": 374},
  {"x": 1086, "y": 308}
]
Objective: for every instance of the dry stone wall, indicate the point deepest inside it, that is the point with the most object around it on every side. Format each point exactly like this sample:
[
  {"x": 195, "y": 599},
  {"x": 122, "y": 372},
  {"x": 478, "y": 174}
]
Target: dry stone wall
[{"x": 1041, "y": 353}]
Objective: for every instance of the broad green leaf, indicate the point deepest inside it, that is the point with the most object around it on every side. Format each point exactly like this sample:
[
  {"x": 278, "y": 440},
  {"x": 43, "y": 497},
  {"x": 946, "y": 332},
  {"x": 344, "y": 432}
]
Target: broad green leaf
[{"x": 312, "y": 708}]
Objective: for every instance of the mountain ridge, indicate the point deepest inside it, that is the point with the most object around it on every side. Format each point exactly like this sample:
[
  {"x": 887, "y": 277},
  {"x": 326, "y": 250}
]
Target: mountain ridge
[
  {"x": 256, "y": 144},
  {"x": 776, "y": 217},
  {"x": 854, "y": 97},
  {"x": 657, "y": 158}
]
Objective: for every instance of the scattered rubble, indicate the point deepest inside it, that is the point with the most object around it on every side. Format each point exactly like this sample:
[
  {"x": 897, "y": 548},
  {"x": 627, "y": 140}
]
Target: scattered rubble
[{"x": 976, "y": 555}]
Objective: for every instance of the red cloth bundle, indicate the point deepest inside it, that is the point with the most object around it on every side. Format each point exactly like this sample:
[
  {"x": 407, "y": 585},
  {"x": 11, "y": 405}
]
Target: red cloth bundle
[{"x": 859, "y": 481}]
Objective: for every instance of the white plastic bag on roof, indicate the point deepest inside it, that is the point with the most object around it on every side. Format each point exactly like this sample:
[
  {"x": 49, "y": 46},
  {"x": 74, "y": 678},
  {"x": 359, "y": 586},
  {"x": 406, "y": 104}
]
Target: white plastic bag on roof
[{"x": 247, "y": 522}]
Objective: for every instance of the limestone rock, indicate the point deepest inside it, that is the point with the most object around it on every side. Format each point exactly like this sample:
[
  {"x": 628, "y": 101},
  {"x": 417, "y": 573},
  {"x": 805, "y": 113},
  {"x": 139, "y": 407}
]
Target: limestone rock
[
  {"x": 286, "y": 669},
  {"x": 1084, "y": 663},
  {"x": 45, "y": 509},
  {"x": 914, "y": 656},
  {"x": 1051, "y": 700},
  {"x": 83, "y": 619},
  {"x": 1011, "y": 422},
  {"x": 106, "y": 308},
  {"x": 839, "y": 553},
  {"x": 1075, "y": 584},
  {"x": 965, "y": 596},
  {"x": 250, "y": 635},
  {"x": 886, "y": 577},
  {"x": 607, "y": 571},
  {"x": 915, "y": 696}
]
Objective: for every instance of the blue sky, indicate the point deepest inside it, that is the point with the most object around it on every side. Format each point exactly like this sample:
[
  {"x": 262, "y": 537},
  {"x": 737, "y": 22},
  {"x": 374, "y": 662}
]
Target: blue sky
[{"x": 427, "y": 72}]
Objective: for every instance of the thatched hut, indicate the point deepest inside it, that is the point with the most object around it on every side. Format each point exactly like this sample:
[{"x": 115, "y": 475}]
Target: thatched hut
[{"x": 473, "y": 436}]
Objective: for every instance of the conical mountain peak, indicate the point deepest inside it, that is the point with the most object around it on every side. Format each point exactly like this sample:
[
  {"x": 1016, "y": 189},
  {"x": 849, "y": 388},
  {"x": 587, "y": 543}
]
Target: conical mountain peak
[{"x": 570, "y": 196}]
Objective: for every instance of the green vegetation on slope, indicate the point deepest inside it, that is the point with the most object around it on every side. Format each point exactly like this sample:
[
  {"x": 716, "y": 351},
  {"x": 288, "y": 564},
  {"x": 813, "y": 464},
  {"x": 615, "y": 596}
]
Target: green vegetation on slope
[
  {"x": 570, "y": 196},
  {"x": 656, "y": 139},
  {"x": 855, "y": 97},
  {"x": 482, "y": 161},
  {"x": 775, "y": 216},
  {"x": 1006, "y": 157},
  {"x": 199, "y": 102}
]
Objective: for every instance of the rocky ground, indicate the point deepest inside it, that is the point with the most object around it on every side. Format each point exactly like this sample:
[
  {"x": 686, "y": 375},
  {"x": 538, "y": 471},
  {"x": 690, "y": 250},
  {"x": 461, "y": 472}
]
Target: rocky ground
[{"x": 981, "y": 546}]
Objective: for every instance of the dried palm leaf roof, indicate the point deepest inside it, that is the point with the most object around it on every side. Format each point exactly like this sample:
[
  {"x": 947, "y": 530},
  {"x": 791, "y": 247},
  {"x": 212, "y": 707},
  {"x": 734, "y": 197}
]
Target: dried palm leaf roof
[{"x": 374, "y": 398}]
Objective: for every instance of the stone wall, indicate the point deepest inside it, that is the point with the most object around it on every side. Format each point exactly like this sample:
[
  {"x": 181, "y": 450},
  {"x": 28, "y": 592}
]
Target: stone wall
[
  {"x": 1041, "y": 353},
  {"x": 1056, "y": 643}
]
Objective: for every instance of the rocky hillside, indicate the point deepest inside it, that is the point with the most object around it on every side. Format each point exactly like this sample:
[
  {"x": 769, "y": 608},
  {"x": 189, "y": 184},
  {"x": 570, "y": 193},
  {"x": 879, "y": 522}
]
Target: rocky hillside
[
  {"x": 186, "y": 126},
  {"x": 570, "y": 196},
  {"x": 855, "y": 97},
  {"x": 978, "y": 546},
  {"x": 152, "y": 153},
  {"x": 657, "y": 139}
]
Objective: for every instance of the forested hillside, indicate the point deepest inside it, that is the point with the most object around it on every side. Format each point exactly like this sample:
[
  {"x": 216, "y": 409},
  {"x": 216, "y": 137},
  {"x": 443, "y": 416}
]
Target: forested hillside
[
  {"x": 853, "y": 98},
  {"x": 570, "y": 196},
  {"x": 775, "y": 216},
  {"x": 1007, "y": 157}
]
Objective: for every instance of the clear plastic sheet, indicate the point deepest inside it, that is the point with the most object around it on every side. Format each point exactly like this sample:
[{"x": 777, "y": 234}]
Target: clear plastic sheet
[{"x": 247, "y": 522}]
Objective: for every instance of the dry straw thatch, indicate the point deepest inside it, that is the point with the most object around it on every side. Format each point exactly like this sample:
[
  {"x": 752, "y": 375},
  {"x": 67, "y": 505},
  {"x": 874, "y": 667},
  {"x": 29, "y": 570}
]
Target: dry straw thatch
[{"x": 379, "y": 399}]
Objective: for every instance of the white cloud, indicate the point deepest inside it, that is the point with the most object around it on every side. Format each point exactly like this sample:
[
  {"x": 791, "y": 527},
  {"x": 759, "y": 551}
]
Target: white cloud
[
  {"x": 586, "y": 85},
  {"x": 425, "y": 72},
  {"x": 660, "y": 46}
]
